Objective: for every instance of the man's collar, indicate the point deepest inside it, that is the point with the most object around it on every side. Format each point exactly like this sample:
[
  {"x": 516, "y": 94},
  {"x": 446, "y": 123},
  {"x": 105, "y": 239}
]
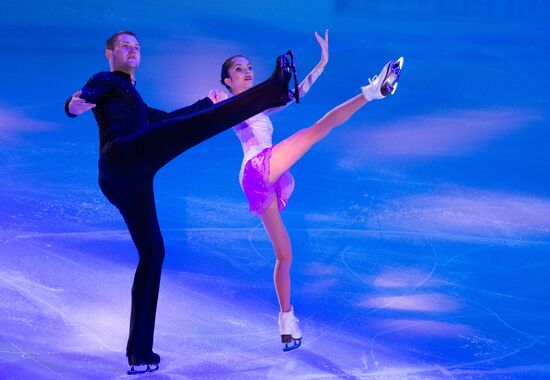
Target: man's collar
[{"x": 125, "y": 75}]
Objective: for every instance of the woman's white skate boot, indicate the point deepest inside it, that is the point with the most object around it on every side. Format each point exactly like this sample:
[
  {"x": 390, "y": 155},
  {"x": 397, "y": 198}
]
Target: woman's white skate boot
[
  {"x": 384, "y": 84},
  {"x": 290, "y": 332}
]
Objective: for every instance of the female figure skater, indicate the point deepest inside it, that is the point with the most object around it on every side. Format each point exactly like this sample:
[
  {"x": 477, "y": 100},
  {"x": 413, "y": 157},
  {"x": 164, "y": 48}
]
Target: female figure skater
[{"x": 264, "y": 174}]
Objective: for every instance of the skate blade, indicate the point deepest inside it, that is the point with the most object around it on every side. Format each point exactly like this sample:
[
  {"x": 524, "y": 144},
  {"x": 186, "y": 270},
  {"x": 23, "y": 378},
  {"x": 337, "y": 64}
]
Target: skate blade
[
  {"x": 150, "y": 368},
  {"x": 392, "y": 77},
  {"x": 297, "y": 343},
  {"x": 399, "y": 63}
]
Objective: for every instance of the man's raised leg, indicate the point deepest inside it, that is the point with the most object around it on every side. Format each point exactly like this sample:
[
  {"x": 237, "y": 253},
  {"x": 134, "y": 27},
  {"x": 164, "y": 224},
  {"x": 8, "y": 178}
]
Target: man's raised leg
[{"x": 165, "y": 140}]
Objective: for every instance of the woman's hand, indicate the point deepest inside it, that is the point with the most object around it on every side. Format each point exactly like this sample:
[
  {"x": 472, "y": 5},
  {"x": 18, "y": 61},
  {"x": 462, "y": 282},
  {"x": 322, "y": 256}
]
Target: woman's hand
[
  {"x": 323, "y": 43},
  {"x": 217, "y": 96}
]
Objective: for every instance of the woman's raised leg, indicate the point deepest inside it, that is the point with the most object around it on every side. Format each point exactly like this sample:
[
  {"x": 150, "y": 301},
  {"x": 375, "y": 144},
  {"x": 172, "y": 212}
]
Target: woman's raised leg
[{"x": 289, "y": 151}]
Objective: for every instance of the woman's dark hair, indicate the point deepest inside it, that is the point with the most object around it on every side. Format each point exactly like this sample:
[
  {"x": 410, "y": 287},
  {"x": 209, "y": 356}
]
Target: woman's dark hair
[
  {"x": 110, "y": 44},
  {"x": 225, "y": 69}
]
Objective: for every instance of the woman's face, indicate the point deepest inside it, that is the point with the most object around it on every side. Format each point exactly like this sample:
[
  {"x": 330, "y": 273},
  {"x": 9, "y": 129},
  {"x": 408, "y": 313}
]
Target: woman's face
[{"x": 241, "y": 76}]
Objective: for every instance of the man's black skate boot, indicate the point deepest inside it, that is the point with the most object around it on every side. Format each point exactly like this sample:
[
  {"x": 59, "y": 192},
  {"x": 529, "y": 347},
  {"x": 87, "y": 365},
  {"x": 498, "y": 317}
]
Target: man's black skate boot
[
  {"x": 288, "y": 63},
  {"x": 150, "y": 360},
  {"x": 281, "y": 75}
]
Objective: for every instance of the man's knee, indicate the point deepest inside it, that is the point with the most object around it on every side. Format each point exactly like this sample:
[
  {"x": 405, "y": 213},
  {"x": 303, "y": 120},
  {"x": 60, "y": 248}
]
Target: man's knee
[
  {"x": 152, "y": 252},
  {"x": 158, "y": 250}
]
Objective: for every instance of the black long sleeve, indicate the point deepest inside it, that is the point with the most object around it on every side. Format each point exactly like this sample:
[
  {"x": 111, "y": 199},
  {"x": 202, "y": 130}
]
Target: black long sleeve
[{"x": 120, "y": 110}]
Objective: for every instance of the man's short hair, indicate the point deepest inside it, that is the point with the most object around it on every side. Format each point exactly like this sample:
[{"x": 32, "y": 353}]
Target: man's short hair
[{"x": 110, "y": 44}]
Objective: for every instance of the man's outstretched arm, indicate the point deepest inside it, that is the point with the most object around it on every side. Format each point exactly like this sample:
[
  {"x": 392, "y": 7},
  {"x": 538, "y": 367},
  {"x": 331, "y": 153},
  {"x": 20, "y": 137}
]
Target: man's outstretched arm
[
  {"x": 75, "y": 105},
  {"x": 94, "y": 92}
]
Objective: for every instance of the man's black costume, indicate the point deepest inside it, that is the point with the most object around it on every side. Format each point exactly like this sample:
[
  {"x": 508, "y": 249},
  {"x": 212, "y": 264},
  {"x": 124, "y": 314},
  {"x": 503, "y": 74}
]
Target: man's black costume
[{"x": 135, "y": 142}]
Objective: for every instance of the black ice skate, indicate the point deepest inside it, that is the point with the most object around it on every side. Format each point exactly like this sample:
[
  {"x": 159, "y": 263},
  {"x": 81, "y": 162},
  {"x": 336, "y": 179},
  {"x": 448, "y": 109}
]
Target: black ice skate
[
  {"x": 148, "y": 363},
  {"x": 290, "y": 66},
  {"x": 281, "y": 75}
]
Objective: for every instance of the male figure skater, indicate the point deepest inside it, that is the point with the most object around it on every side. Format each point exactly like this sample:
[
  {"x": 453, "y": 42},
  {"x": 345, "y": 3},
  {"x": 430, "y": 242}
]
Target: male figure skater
[{"x": 135, "y": 142}]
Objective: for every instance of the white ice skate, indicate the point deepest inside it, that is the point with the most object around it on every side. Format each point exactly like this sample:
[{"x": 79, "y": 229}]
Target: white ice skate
[
  {"x": 384, "y": 84},
  {"x": 290, "y": 332}
]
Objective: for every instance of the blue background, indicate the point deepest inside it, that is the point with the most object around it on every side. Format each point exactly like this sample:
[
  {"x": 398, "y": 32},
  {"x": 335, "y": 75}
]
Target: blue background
[{"x": 420, "y": 228}]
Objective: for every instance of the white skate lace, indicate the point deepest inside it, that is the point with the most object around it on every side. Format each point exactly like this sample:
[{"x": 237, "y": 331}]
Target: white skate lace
[
  {"x": 294, "y": 327},
  {"x": 291, "y": 325},
  {"x": 292, "y": 321},
  {"x": 372, "y": 79}
]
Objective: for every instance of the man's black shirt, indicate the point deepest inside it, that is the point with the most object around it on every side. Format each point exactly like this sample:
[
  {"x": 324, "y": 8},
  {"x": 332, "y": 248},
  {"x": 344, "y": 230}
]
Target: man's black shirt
[{"x": 120, "y": 110}]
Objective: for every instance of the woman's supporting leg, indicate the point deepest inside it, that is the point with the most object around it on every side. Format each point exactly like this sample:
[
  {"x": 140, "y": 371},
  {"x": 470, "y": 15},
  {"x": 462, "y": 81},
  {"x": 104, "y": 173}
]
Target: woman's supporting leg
[
  {"x": 289, "y": 151},
  {"x": 278, "y": 235}
]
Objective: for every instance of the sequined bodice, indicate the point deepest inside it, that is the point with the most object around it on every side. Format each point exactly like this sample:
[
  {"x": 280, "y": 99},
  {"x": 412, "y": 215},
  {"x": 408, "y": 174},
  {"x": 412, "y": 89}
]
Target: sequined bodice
[{"x": 255, "y": 135}]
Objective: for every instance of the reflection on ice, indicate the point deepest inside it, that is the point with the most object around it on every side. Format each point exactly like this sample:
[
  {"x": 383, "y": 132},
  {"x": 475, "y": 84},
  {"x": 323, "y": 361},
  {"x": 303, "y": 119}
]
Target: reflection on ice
[{"x": 438, "y": 303}]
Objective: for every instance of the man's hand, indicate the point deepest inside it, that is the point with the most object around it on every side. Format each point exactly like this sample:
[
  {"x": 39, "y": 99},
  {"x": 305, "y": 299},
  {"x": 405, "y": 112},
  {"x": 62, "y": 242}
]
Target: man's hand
[
  {"x": 217, "y": 96},
  {"x": 78, "y": 106}
]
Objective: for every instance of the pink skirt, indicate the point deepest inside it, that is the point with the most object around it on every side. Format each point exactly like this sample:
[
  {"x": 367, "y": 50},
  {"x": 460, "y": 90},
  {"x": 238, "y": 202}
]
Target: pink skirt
[{"x": 258, "y": 190}]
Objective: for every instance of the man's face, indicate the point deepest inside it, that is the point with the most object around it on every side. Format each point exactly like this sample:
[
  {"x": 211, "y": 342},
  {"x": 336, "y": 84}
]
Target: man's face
[{"x": 126, "y": 54}]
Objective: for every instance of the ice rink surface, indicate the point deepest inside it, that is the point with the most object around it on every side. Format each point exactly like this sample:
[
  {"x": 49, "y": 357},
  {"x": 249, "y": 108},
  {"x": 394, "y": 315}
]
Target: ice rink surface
[{"x": 420, "y": 228}]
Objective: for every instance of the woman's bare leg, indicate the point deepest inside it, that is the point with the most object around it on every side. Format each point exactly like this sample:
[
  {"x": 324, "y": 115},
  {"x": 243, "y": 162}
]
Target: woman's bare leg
[
  {"x": 289, "y": 151},
  {"x": 278, "y": 234}
]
